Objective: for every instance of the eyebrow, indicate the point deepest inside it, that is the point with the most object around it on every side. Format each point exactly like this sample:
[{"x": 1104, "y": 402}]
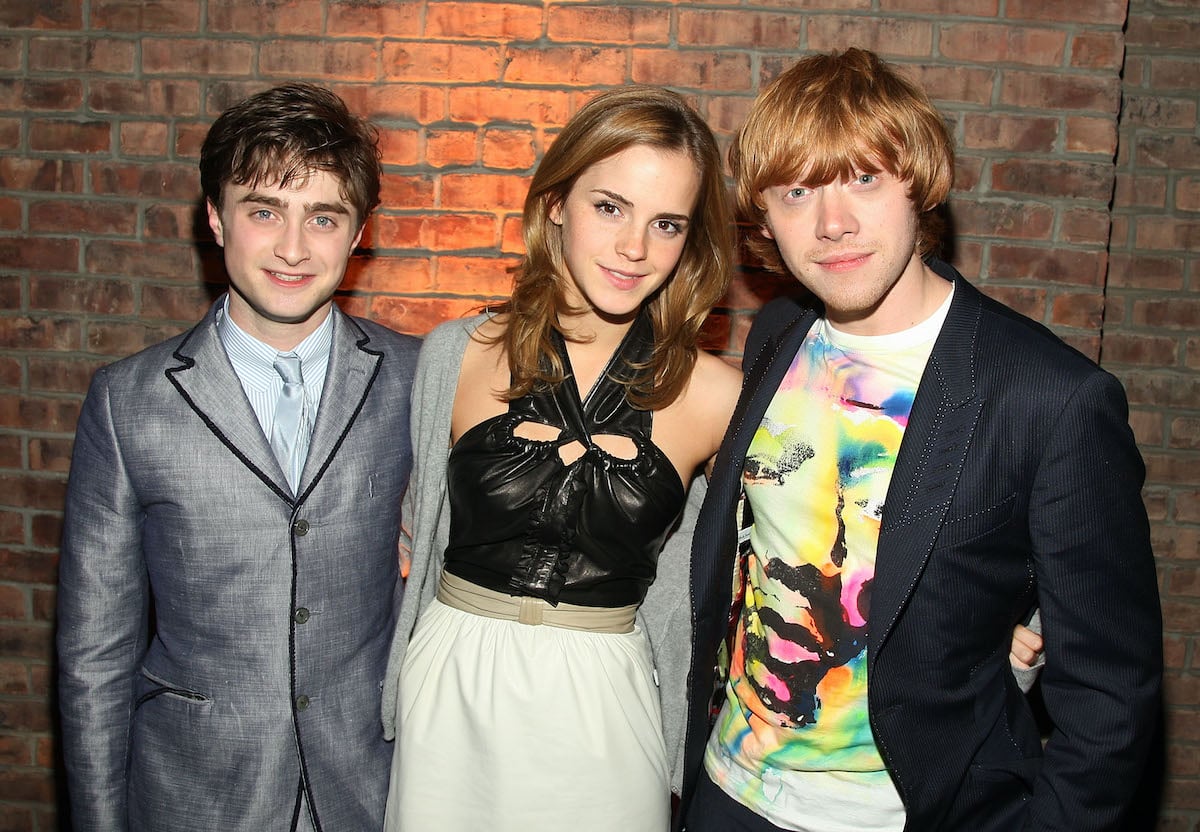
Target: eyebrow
[
  {"x": 309, "y": 207},
  {"x": 615, "y": 197}
]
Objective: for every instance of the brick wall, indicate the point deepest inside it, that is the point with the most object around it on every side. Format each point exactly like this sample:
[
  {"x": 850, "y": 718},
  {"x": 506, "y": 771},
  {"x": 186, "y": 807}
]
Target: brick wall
[{"x": 103, "y": 105}]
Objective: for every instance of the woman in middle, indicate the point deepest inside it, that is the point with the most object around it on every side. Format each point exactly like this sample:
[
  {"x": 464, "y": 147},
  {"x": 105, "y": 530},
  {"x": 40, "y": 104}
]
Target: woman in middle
[{"x": 554, "y": 442}]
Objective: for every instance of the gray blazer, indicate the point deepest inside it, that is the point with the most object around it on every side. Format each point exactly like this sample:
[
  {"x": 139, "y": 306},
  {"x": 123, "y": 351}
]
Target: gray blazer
[
  {"x": 221, "y": 641},
  {"x": 665, "y": 615}
]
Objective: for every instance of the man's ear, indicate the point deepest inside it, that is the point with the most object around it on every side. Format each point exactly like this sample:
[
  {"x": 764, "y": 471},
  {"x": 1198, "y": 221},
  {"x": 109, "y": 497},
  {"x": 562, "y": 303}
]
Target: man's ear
[
  {"x": 765, "y": 230},
  {"x": 214, "y": 222}
]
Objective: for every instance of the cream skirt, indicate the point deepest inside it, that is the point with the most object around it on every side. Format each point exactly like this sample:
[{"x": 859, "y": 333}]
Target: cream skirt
[{"x": 508, "y": 726}]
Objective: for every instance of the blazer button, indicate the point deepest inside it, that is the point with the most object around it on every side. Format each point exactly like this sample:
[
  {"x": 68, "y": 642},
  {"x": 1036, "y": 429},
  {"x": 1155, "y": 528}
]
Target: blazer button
[
  {"x": 302, "y": 615},
  {"x": 301, "y": 702},
  {"x": 301, "y": 528}
]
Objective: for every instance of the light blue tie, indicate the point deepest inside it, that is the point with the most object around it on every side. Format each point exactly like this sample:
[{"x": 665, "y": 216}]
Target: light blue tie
[{"x": 289, "y": 434}]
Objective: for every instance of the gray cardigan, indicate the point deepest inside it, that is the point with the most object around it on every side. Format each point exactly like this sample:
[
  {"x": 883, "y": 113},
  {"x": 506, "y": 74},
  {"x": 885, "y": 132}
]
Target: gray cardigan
[{"x": 665, "y": 615}]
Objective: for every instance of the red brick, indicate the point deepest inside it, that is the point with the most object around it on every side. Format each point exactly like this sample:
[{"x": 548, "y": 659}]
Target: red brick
[
  {"x": 1161, "y": 32},
  {"x": 14, "y": 605},
  {"x": 1185, "y": 433},
  {"x": 1082, "y": 180},
  {"x": 36, "y": 413},
  {"x": 471, "y": 191},
  {"x": 407, "y": 192},
  {"x": 512, "y": 242},
  {"x": 28, "y": 641},
  {"x": 101, "y": 297},
  {"x": 1046, "y": 90},
  {"x": 1174, "y": 73},
  {"x": 1002, "y": 43},
  {"x": 197, "y": 57},
  {"x": 12, "y": 53},
  {"x": 971, "y": 85},
  {"x": 441, "y": 62},
  {"x": 509, "y": 149},
  {"x": 175, "y": 303},
  {"x": 1055, "y": 265},
  {"x": 10, "y": 214},
  {"x": 44, "y": 609},
  {"x": 10, "y": 374},
  {"x": 323, "y": 59},
  {"x": 483, "y": 21},
  {"x": 1177, "y": 543},
  {"x": 16, "y": 751},
  {"x": 479, "y": 276},
  {"x": 1024, "y": 221},
  {"x": 348, "y": 18},
  {"x": 480, "y": 105},
  {"x": 1145, "y": 350},
  {"x": 1098, "y": 13},
  {"x": 1168, "y": 151},
  {"x": 43, "y": 14},
  {"x": 400, "y": 146},
  {"x": 445, "y": 148},
  {"x": 438, "y": 232},
  {"x": 25, "y": 566},
  {"x": 86, "y": 217},
  {"x": 389, "y": 274},
  {"x": 1092, "y": 135},
  {"x": 577, "y": 65},
  {"x": 70, "y": 136},
  {"x": 891, "y": 37},
  {"x": 739, "y": 28},
  {"x": 1187, "y": 506},
  {"x": 1097, "y": 50},
  {"x": 175, "y": 222},
  {"x": 145, "y": 98},
  {"x": 46, "y": 530},
  {"x": 49, "y": 175},
  {"x": 1140, "y": 191},
  {"x": 120, "y": 339},
  {"x": 40, "y": 333},
  {"x": 725, "y": 114},
  {"x": 189, "y": 138},
  {"x": 12, "y": 530},
  {"x": 158, "y": 181},
  {"x": 50, "y": 455},
  {"x": 1012, "y": 133},
  {"x": 10, "y": 452},
  {"x": 415, "y": 102},
  {"x": 30, "y": 786},
  {"x": 1028, "y": 301},
  {"x": 417, "y": 316},
  {"x": 609, "y": 24},
  {"x": 1187, "y": 193},
  {"x": 50, "y": 94},
  {"x": 14, "y": 677},
  {"x": 80, "y": 54},
  {"x": 145, "y": 138},
  {"x": 139, "y": 16},
  {"x": 1168, "y": 233},
  {"x": 703, "y": 69},
  {"x": 962, "y": 8},
  {"x": 281, "y": 17},
  {"x": 1079, "y": 310},
  {"x": 163, "y": 260},
  {"x": 1159, "y": 111},
  {"x": 1086, "y": 226}
]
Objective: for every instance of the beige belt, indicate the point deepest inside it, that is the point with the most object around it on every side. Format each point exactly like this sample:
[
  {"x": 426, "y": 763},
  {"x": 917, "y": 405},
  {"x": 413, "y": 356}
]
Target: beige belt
[{"x": 461, "y": 594}]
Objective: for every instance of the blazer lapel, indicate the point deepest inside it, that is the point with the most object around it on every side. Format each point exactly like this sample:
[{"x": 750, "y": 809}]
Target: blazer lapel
[
  {"x": 353, "y": 366},
  {"x": 207, "y": 382},
  {"x": 939, "y": 432}
]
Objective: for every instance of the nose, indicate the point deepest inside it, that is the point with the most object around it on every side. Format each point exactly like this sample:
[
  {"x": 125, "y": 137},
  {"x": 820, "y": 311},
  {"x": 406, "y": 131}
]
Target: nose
[
  {"x": 631, "y": 244},
  {"x": 835, "y": 215},
  {"x": 291, "y": 246}
]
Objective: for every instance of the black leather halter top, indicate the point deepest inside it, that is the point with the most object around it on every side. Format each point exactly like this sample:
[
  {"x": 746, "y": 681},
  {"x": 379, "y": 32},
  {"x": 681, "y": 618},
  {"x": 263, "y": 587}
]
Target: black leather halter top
[{"x": 524, "y": 522}]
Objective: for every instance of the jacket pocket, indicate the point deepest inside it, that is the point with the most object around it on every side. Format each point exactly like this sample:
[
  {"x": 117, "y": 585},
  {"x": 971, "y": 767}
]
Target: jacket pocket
[{"x": 151, "y": 687}]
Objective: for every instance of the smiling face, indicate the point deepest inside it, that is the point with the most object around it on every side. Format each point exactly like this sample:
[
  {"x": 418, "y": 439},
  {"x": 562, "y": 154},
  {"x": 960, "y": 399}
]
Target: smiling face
[
  {"x": 624, "y": 224},
  {"x": 853, "y": 244},
  {"x": 286, "y": 251}
]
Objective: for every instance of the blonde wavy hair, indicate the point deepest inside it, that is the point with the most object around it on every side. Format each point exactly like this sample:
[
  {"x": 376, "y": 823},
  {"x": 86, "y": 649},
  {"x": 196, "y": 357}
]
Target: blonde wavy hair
[
  {"x": 829, "y": 116},
  {"x": 605, "y": 126}
]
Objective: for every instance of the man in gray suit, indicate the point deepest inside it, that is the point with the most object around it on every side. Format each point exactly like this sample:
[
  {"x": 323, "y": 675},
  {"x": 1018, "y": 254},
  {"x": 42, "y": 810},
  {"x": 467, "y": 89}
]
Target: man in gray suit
[{"x": 229, "y": 571}]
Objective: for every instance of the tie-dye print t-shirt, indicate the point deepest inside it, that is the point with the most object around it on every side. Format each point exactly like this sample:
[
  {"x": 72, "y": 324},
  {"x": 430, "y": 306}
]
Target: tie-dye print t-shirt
[{"x": 793, "y": 741}]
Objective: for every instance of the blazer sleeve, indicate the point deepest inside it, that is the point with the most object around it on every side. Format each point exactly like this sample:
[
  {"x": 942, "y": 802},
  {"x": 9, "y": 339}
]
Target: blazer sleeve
[
  {"x": 1098, "y": 592},
  {"x": 103, "y": 601}
]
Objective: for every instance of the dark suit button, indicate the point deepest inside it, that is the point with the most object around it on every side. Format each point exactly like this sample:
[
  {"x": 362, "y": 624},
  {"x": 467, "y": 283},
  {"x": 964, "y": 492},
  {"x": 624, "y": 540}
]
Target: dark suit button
[
  {"x": 302, "y": 615},
  {"x": 301, "y": 528},
  {"x": 301, "y": 702}
]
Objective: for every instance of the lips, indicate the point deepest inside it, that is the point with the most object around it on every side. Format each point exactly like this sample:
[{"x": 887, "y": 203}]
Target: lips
[
  {"x": 622, "y": 280},
  {"x": 290, "y": 279},
  {"x": 844, "y": 262}
]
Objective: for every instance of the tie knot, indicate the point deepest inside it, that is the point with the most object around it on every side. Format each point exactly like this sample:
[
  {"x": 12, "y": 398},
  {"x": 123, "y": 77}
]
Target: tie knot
[{"x": 288, "y": 367}]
